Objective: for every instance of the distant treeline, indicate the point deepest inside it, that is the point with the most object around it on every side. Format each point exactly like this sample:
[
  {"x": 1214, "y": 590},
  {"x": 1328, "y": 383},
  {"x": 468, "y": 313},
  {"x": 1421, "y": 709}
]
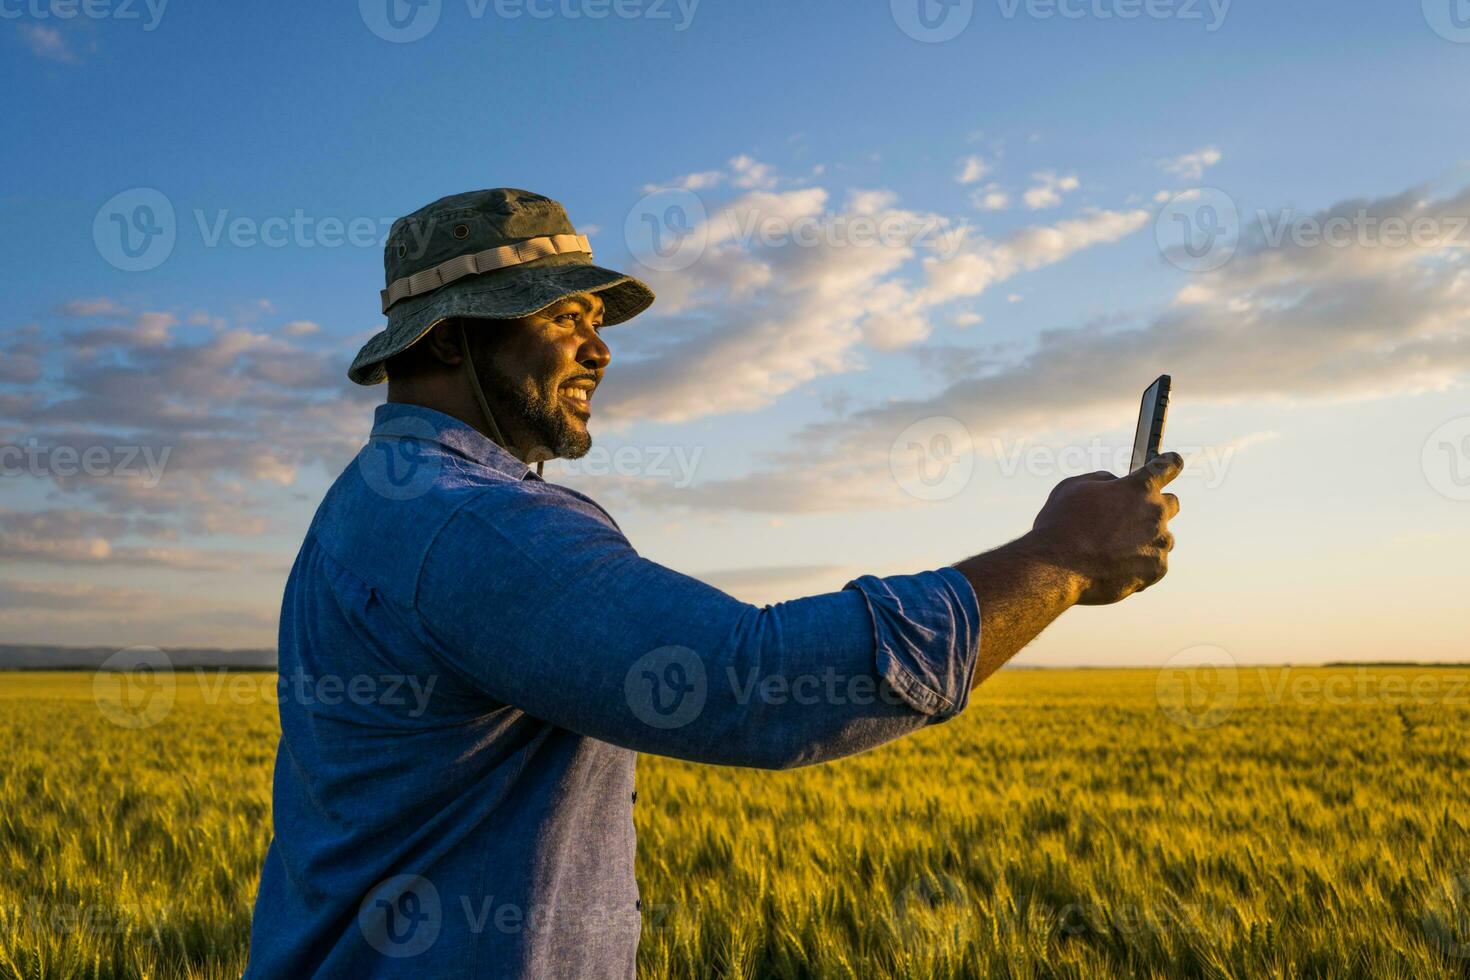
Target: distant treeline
[
  {"x": 16, "y": 656},
  {"x": 24, "y": 657},
  {"x": 1398, "y": 663}
]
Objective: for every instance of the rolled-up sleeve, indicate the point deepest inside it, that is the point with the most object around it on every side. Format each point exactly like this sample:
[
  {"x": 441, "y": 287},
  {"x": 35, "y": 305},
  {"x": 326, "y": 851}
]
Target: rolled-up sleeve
[
  {"x": 926, "y": 630},
  {"x": 533, "y": 595}
]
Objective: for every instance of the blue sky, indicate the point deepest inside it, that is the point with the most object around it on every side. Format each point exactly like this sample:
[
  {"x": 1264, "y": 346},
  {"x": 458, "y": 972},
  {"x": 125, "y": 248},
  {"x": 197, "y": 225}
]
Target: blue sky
[{"x": 1035, "y": 160}]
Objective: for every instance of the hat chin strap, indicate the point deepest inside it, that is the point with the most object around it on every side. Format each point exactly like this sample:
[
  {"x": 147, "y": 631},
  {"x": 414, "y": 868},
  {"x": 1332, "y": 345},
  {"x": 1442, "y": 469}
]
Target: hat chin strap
[{"x": 495, "y": 434}]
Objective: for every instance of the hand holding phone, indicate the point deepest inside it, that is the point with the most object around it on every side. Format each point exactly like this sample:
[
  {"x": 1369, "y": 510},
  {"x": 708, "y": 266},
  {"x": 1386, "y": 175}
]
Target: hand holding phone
[{"x": 1112, "y": 532}]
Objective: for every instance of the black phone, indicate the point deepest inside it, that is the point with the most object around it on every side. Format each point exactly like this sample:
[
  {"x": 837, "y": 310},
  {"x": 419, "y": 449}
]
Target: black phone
[{"x": 1151, "y": 422}]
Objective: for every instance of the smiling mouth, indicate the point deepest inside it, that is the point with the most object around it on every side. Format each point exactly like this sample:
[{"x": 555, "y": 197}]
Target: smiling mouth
[{"x": 578, "y": 396}]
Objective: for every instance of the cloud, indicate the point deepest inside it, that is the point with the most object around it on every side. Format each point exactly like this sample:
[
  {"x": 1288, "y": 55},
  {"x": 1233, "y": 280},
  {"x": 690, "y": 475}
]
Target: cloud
[
  {"x": 70, "y": 536},
  {"x": 745, "y": 172},
  {"x": 749, "y": 173},
  {"x": 48, "y": 44},
  {"x": 198, "y": 431},
  {"x": 117, "y": 616},
  {"x": 1048, "y": 191},
  {"x": 69, "y": 597},
  {"x": 101, "y": 306},
  {"x": 149, "y": 329},
  {"x": 983, "y": 262},
  {"x": 991, "y": 198},
  {"x": 950, "y": 362},
  {"x": 972, "y": 170},
  {"x": 199, "y": 434},
  {"x": 756, "y": 322},
  {"x": 871, "y": 202},
  {"x": 20, "y": 361},
  {"x": 759, "y": 316},
  {"x": 1191, "y": 166},
  {"x": 1286, "y": 323},
  {"x": 704, "y": 180},
  {"x": 301, "y": 328}
]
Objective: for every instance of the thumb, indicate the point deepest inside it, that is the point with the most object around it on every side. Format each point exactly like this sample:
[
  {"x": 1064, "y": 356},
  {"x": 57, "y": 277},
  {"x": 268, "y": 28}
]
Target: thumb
[{"x": 1160, "y": 471}]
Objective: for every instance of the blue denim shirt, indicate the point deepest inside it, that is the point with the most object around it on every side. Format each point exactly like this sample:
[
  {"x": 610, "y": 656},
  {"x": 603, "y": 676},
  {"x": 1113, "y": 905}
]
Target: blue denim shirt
[{"x": 470, "y": 657}]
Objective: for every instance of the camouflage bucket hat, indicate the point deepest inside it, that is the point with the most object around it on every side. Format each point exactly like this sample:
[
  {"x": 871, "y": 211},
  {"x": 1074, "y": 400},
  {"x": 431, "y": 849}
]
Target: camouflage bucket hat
[{"x": 495, "y": 254}]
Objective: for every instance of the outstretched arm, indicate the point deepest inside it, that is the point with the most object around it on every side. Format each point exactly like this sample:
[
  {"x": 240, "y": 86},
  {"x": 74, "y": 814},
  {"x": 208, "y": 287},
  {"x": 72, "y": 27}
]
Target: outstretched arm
[{"x": 533, "y": 596}]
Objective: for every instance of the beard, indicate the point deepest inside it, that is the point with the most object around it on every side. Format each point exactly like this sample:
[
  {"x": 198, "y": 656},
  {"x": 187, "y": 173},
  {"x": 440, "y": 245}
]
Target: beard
[{"x": 536, "y": 406}]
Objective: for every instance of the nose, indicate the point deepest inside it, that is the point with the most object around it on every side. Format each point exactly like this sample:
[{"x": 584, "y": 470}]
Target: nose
[{"x": 593, "y": 353}]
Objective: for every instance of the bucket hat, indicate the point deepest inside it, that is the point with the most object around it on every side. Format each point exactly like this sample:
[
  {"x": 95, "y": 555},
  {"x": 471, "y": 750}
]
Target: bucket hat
[{"x": 492, "y": 254}]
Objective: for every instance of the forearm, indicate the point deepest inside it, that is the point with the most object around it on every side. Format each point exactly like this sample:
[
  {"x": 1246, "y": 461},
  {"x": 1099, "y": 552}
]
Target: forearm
[{"x": 1020, "y": 590}]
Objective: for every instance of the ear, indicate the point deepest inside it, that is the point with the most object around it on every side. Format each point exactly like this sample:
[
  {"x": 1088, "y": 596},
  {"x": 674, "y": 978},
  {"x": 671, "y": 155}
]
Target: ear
[{"x": 442, "y": 343}]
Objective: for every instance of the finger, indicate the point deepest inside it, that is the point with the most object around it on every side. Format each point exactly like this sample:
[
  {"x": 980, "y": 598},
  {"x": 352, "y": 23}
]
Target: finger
[
  {"x": 1171, "y": 506},
  {"x": 1157, "y": 570},
  {"x": 1162, "y": 570},
  {"x": 1160, "y": 471},
  {"x": 1089, "y": 477}
]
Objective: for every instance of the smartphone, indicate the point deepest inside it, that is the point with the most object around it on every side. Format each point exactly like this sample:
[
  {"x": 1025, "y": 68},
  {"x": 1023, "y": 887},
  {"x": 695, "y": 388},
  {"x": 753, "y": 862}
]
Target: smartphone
[{"x": 1151, "y": 422}]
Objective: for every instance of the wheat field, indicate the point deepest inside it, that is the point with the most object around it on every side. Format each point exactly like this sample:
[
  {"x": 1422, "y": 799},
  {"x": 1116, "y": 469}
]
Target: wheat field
[{"x": 1260, "y": 822}]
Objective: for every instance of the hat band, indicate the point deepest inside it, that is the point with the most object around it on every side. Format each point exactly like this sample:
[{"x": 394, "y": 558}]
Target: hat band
[{"x": 493, "y": 258}]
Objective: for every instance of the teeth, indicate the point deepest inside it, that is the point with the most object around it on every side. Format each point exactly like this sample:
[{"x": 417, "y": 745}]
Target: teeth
[{"x": 580, "y": 394}]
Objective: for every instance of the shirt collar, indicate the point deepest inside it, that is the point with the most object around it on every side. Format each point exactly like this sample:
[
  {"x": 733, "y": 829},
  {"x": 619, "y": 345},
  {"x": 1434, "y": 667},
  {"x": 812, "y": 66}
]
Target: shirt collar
[{"x": 400, "y": 419}]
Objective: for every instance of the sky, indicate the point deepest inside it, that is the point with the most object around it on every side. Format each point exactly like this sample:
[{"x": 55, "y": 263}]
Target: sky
[{"x": 916, "y": 261}]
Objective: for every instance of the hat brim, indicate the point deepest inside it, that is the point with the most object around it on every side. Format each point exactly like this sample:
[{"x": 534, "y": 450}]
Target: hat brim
[{"x": 500, "y": 295}]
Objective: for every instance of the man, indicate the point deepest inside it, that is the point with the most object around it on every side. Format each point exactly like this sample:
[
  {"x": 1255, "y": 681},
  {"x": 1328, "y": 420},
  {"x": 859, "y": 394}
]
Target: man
[{"x": 472, "y": 656}]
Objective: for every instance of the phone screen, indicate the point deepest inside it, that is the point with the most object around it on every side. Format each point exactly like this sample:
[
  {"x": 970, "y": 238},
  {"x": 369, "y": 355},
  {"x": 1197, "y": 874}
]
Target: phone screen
[{"x": 1150, "y": 422}]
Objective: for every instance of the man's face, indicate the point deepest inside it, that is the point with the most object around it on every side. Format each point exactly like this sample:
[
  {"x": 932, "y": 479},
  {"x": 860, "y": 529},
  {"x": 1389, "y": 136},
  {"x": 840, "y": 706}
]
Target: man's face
[{"x": 543, "y": 368}]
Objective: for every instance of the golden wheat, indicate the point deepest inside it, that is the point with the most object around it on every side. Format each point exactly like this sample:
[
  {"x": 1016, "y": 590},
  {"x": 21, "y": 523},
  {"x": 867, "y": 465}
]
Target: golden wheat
[{"x": 1260, "y": 822}]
